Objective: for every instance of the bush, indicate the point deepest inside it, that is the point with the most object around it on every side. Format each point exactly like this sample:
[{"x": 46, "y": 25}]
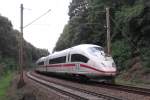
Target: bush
[
  {"x": 7, "y": 64},
  {"x": 121, "y": 53},
  {"x": 5, "y": 83},
  {"x": 145, "y": 51}
]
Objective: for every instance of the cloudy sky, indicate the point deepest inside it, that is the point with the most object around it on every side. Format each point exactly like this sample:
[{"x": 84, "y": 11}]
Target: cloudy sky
[{"x": 45, "y": 32}]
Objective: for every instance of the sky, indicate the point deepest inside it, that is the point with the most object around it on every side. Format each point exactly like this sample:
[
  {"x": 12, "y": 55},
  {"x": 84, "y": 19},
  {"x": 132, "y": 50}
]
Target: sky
[{"x": 45, "y": 32}]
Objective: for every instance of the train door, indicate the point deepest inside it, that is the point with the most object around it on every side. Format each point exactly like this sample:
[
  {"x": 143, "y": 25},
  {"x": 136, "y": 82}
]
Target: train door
[
  {"x": 78, "y": 59},
  {"x": 68, "y": 58},
  {"x": 46, "y": 64},
  {"x": 71, "y": 68},
  {"x": 74, "y": 59},
  {"x": 77, "y": 67}
]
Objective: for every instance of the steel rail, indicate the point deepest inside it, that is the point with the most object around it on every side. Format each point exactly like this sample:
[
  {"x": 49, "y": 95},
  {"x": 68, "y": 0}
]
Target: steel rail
[
  {"x": 129, "y": 89},
  {"x": 98, "y": 95}
]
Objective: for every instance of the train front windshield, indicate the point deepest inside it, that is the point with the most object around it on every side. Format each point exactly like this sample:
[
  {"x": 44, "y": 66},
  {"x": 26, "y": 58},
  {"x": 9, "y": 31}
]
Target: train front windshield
[{"x": 96, "y": 51}]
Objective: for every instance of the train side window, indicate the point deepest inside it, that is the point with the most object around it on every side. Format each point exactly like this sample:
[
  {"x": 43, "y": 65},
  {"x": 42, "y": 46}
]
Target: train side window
[
  {"x": 58, "y": 60},
  {"x": 41, "y": 63},
  {"x": 79, "y": 58}
]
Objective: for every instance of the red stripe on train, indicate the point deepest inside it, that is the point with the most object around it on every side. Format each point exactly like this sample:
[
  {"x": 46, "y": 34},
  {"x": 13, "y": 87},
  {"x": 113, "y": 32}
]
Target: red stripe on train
[
  {"x": 86, "y": 66},
  {"x": 81, "y": 65},
  {"x": 58, "y": 65}
]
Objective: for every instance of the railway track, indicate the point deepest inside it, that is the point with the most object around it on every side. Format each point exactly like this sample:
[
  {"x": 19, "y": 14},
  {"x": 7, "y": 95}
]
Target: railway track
[
  {"x": 129, "y": 89},
  {"x": 74, "y": 92}
]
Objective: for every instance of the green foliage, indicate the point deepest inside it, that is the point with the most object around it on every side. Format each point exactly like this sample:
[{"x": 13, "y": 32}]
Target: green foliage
[
  {"x": 77, "y": 8},
  {"x": 146, "y": 57},
  {"x": 7, "y": 64},
  {"x": 5, "y": 82},
  {"x": 6, "y": 37},
  {"x": 127, "y": 13},
  {"x": 130, "y": 28},
  {"x": 121, "y": 53},
  {"x": 80, "y": 29},
  {"x": 0, "y": 56},
  {"x": 65, "y": 39},
  {"x": 9, "y": 48}
]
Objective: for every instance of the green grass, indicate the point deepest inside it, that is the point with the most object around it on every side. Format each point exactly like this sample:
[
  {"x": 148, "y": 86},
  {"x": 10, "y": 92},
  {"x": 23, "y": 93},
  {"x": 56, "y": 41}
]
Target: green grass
[{"x": 4, "y": 84}]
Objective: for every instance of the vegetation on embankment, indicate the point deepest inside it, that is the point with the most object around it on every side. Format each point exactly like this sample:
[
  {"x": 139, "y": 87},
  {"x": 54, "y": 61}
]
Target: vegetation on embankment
[
  {"x": 5, "y": 82},
  {"x": 9, "y": 54},
  {"x": 9, "y": 48},
  {"x": 130, "y": 28}
]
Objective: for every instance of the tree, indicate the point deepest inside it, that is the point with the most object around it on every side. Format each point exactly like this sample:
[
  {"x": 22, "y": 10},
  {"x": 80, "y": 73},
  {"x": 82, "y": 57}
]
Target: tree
[{"x": 9, "y": 46}]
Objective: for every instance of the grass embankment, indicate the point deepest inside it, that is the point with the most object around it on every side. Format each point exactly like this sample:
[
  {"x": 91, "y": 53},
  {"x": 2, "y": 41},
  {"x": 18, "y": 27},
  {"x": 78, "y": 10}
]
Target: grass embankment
[
  {"x": 133, "y": 82},
  {"x": 4, "y": 85}
]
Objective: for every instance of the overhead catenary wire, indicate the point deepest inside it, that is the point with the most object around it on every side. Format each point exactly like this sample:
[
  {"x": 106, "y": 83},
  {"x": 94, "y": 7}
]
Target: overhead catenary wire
[
  {"x": 21, "y": 82},
  {"x": 37, "y": 18}
]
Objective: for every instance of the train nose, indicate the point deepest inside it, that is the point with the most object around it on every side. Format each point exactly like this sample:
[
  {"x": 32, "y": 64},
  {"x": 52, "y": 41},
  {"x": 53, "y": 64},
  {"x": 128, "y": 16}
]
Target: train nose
[
  {"x": 113, "y": 65},
  {"x": 107, "y": 66}
]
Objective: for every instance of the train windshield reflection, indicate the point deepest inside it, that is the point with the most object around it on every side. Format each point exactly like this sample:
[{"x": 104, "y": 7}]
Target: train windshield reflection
[{"x": 96, "y": 51}]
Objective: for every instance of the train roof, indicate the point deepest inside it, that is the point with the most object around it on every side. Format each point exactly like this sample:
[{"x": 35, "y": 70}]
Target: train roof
[
  {"x": 75, "y": 49},
  {"x": 41, "y": 59},
  {"x": 79, "y": 47},
  {"x": 85, "y": 46}
]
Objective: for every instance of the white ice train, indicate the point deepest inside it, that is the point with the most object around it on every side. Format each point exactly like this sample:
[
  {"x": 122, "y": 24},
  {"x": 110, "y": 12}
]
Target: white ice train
[{"x": 86, "y": 61}]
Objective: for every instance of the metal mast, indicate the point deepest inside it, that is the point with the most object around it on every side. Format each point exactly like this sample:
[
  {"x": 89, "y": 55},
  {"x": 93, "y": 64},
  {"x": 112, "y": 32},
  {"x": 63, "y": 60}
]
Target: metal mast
[
  {"x": 21, "y": 81},
  {"x": 108, "y": 31}
]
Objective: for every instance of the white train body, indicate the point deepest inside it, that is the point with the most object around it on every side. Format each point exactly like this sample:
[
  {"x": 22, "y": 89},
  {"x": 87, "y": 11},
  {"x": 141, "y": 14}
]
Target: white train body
[{"x": 84, "y": 60}]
